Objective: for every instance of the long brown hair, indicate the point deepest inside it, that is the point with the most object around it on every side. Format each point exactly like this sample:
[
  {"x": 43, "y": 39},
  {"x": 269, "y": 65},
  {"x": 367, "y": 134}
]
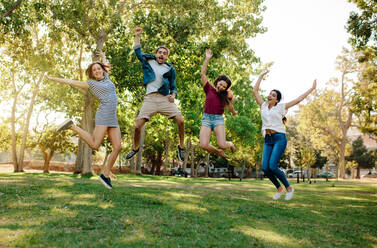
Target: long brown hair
[
  {"x": 89, "y": 72},
  {"x": 278, "y": 97},
  {"x": 226, "y": 96}
]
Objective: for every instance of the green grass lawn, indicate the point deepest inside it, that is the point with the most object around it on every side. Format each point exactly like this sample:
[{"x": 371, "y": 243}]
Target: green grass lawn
[{"x": 60, "y": 210}]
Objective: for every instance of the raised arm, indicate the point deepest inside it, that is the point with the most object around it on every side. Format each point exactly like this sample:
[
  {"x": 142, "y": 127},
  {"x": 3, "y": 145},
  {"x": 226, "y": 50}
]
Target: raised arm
[
  {"x": 138, "y": 32},
  {"x": 231, "y": 108},
  {"x": 102, "y": 55},
  {"x": 204, "y": 66},
  {"x": 74, "y": 83},
  {"x": 257, "y": 96},
  {"x": 302, "y": 97},
  {"x": 137, "y": 46}
]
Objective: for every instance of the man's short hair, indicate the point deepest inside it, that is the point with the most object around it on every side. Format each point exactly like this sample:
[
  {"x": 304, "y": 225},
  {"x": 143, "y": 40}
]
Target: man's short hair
[{"x": 163, "y": 47}]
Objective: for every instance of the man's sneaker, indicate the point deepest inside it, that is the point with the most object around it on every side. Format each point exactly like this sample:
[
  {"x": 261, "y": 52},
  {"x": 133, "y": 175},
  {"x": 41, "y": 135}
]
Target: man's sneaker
[
  {"x": 65, "y": 125},
  {"x": 132, "y": 153},
  {"x": 278, "y": 195},
  {"x": 289, "y": 195},
  {"x": 181, "y": 153},
  {"x": 105, "y": 181}
]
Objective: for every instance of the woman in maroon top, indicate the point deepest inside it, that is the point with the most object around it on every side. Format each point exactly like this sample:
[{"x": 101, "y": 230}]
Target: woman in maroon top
[{"x": 217, "y": 98}]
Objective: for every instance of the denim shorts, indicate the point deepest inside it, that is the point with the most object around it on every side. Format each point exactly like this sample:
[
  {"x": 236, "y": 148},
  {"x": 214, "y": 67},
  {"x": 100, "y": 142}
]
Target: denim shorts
[{"x": 212, "y": 121}]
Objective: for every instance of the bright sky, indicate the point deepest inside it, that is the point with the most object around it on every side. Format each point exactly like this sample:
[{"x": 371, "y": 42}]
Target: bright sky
[{"x": 304, "y": 38}]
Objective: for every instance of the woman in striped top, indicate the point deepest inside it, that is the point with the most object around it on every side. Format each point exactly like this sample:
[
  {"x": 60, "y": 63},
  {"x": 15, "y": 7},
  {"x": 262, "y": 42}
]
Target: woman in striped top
[{"x": 106, "y": 117}]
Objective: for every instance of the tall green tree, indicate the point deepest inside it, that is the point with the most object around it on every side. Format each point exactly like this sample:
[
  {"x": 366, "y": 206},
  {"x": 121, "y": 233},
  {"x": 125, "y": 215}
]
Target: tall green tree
[
  {"x": 363, "y": 158},
  {"x": 319, "y": 118},
  {"x": 363, "y": 102},
  {"x": 51, "y": 142},
  {"x": 362, "y": 25}
]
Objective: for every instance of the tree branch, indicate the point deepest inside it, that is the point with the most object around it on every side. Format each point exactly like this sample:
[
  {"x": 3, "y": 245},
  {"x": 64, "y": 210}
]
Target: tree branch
[
  {"x": 133, "y": 6},
  {"x": 15, "y": 6}
]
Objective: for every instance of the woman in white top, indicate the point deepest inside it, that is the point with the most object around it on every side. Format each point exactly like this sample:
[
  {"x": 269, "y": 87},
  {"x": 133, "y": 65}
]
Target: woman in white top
[{"x": 275, "y": 141}]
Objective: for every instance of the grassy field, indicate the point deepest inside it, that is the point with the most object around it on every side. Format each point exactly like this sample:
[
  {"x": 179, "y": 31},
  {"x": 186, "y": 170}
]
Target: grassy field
[{"x": 60, "y": 210}]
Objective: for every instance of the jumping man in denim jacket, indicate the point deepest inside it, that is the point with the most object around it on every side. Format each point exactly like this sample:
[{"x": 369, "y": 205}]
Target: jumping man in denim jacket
[{"x": 159, "y": 81}]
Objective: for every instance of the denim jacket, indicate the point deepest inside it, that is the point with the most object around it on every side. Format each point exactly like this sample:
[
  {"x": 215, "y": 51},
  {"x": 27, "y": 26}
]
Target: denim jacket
[{"x": 168, "y": 79}]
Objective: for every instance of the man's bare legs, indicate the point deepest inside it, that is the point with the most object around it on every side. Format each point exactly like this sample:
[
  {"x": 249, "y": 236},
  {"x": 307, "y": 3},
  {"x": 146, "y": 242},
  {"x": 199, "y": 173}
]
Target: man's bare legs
[{"x": 181, "y": 129}]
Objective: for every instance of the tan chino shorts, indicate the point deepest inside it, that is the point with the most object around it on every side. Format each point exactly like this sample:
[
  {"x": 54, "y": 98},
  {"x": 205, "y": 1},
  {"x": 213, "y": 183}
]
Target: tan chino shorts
[{"x": 156, "y": 103}]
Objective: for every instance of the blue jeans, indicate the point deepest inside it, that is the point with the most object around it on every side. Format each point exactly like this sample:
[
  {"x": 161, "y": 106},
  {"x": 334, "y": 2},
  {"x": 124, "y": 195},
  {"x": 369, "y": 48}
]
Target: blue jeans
[
  {"x": 273, "y": 149},
  {"x": 212, "y": 121}
]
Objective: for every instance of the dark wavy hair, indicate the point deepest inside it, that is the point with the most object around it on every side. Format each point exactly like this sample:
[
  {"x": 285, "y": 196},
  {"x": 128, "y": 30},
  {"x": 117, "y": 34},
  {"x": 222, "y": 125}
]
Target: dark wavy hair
[
  {"x": 89, "y": 72},
  {"x": 226, "y": 95},
  {"x": 278, "y": 96},
  {"x": 163, "y": 47}
]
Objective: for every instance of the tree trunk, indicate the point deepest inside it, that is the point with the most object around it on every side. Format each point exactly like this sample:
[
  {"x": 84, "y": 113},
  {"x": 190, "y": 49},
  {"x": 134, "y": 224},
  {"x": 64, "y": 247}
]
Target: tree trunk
[
  {"x": 153, "y": 169},
  {"x": 167, "y": 147},
  {"x": 184, "y": 166},
  {"x": 140, "y": 153},
  {"x": 191, "y": 151},
  {"x": 358, "y": 172},
  {"x": 342, "y": 161},
  {"x": 79, "y": 157},
  {"x": 14, "y": 138},
  {"x": 46, "y": 164},
  {"x": 243, "y": 168},
  {"x": 132, "y": 165},
  {"x": 27, "y": 123},
  {"x": 249, "y": 170},
  {"x": 327, "y": 173},
  {"x": 15, "y": 93},
  {"x": 158, "y": 162},
  {"x": 207, "y": 165},
  {"x": 88, "y": 125}
]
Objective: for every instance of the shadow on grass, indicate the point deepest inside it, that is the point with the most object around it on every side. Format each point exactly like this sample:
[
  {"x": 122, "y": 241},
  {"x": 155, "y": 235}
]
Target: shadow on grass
[{"x": 66, "y": 211}]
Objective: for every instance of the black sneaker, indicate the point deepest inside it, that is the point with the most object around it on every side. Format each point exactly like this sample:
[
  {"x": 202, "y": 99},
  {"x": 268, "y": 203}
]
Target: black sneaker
[
  {"x": 181, "y": 153},
  {"x": 132, "y": 153},
  {"x": 105, "y": 181},
  {"x": 65, "y": 125}
]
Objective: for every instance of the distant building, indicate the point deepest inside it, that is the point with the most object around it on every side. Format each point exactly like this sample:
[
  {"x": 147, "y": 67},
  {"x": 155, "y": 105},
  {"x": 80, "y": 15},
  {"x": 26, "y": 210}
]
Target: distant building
[{"x": 370, "y": 144}]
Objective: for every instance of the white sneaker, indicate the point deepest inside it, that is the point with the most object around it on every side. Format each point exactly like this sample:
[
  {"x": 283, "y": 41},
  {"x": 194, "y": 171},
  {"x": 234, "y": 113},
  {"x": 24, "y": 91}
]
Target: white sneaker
[
  {"x": 289, "y": 195},
  {"x": 278, "y": 195}
]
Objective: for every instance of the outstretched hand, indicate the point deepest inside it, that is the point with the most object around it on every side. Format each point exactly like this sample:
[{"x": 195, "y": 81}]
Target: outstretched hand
[
  {"x": 138, "y": 31},
  {"x": 208, "y": 54},
  {"x": 314, "y": 84},
  {"x": 264, "y": 73},
  {"x": 101, "y": 54}
]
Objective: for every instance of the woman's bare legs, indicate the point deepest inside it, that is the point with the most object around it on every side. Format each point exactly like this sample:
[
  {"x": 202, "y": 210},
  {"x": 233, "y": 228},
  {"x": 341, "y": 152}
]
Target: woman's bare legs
[
  {"x": 221, "y": 140},
  {"x": 205, "y": 135},
  {"x": 94, "y": 140},
  {"x": 115, "y": 139}
]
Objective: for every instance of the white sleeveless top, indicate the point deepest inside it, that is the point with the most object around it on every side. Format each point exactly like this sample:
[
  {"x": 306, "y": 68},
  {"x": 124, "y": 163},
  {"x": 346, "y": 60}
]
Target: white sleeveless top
[{"x": 272, "y": 118}]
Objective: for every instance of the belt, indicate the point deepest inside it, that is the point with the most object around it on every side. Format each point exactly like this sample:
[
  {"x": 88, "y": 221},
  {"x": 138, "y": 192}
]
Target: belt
[
  {"x": 270, "y": 131},
  {"x": 155, "y": 93}
]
